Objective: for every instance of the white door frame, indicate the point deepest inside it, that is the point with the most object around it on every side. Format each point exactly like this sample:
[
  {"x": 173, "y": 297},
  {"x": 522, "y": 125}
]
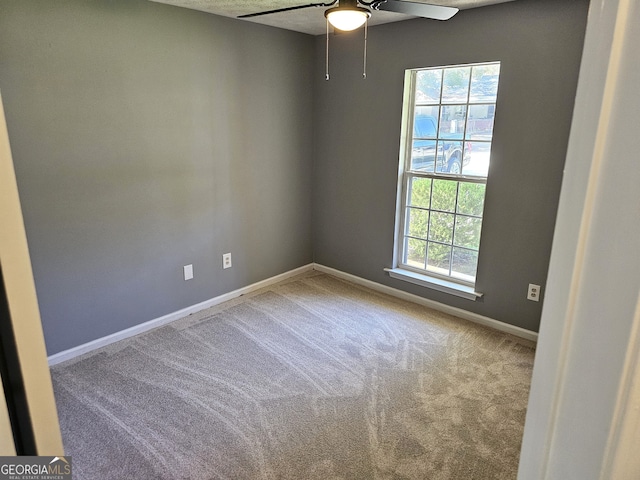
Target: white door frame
[
  {"x": 583, "y": 419},
  {"x": 24, "y": 311}
]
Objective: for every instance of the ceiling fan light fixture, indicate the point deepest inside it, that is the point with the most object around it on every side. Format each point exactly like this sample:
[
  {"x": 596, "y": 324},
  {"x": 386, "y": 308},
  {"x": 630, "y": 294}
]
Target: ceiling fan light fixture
[{"x": 347, "y": 18}]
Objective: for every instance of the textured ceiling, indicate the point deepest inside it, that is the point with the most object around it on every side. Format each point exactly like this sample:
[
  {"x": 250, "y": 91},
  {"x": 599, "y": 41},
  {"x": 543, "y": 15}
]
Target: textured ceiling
[{"x": 308, "y": 20}]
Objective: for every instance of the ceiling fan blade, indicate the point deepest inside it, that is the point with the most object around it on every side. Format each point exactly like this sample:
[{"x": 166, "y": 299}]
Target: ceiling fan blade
[
  {"x": 436, "y": 12},
  {"x": 287, "y": 9}
]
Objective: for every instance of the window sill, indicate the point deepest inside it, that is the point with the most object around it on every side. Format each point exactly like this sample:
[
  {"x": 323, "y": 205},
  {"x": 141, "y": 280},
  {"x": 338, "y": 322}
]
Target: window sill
[{"x": 434, "y": 283}]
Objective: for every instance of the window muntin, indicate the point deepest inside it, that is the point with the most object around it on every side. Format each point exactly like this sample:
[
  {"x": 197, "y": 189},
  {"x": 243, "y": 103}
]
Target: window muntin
[{"x": 449, "y": 129}]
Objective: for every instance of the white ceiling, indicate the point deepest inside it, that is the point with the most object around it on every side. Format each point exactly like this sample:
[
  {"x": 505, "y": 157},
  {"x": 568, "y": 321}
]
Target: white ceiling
[{"x": 308, "y": 20}]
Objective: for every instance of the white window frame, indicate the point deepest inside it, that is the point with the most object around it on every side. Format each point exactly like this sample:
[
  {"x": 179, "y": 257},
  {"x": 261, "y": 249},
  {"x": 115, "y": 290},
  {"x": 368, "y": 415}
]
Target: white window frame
[{"x": 400, "y": 270}]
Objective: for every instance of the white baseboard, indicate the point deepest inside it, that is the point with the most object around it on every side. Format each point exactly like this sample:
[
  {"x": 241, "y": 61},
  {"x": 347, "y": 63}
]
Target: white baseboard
[
  {"x": 158, "y": 322},
  {"x": 458, "y": 312}
]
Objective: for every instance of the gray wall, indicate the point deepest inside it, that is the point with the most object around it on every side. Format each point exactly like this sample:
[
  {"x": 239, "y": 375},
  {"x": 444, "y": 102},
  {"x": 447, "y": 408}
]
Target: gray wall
[
  {"x": 357, "y": 125},
  {"x": 147, "y": 137}
]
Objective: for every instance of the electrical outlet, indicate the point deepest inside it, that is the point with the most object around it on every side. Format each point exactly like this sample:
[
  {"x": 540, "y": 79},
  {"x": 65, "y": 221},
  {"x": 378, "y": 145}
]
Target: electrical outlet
[
  {"x": 534, "y": 292},
  {"x": 226, "y": 260},
  {"x": 188, "y": 272}
]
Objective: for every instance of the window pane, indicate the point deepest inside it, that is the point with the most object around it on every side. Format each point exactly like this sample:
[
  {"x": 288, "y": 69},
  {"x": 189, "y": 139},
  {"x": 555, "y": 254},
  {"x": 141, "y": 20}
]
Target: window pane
[
  {"x": 484, "y": 83},
  {"x": 464, "y": 264},
  {"x": 425, "y": 122},
  {"x": 423, "y": 155},
  {"x": 415, "y": 252},
  {"x": 439, "y": 258},
  {"x": 456, "y": 85},
  {"x": 471, "y": 198},
  {"x": 444, "y": 195},
  {"x": 450, "y": 158},
  {"x": 476, "y": 159},
  {"x": 467, "y": 232},
  {"x": 452, "y": 120},
  {"x": 420, "y": 192},
  {"x": 428, "y": 83},
  {"x": 441, "y": 227},
  {"x": 417, "y": 222},
  {"x": 480, "y": 122}
]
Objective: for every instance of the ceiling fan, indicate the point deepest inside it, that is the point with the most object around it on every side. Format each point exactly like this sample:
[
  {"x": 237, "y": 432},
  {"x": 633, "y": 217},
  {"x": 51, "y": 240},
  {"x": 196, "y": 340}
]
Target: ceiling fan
[{"x": 349, "y": 14}]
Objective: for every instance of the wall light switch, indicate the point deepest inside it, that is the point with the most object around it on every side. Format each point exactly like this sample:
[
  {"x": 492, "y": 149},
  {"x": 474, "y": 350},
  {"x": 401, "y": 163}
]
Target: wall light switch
[{"x": 188, "y": 272}]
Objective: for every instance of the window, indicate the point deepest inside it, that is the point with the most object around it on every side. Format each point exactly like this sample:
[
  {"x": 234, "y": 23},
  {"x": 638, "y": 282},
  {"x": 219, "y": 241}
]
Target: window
[{"x": 447, "y": 132}]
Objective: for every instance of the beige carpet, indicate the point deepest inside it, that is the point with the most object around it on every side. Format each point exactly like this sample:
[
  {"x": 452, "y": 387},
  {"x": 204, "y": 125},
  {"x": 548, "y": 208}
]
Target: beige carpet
[{"x": 314, "y": 378}]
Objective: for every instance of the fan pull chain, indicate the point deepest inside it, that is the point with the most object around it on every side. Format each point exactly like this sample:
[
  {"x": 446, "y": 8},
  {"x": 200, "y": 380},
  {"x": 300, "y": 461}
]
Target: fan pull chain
[
  {"x": 326, "y": 65},
  {"x": 364, "y": 71}
]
